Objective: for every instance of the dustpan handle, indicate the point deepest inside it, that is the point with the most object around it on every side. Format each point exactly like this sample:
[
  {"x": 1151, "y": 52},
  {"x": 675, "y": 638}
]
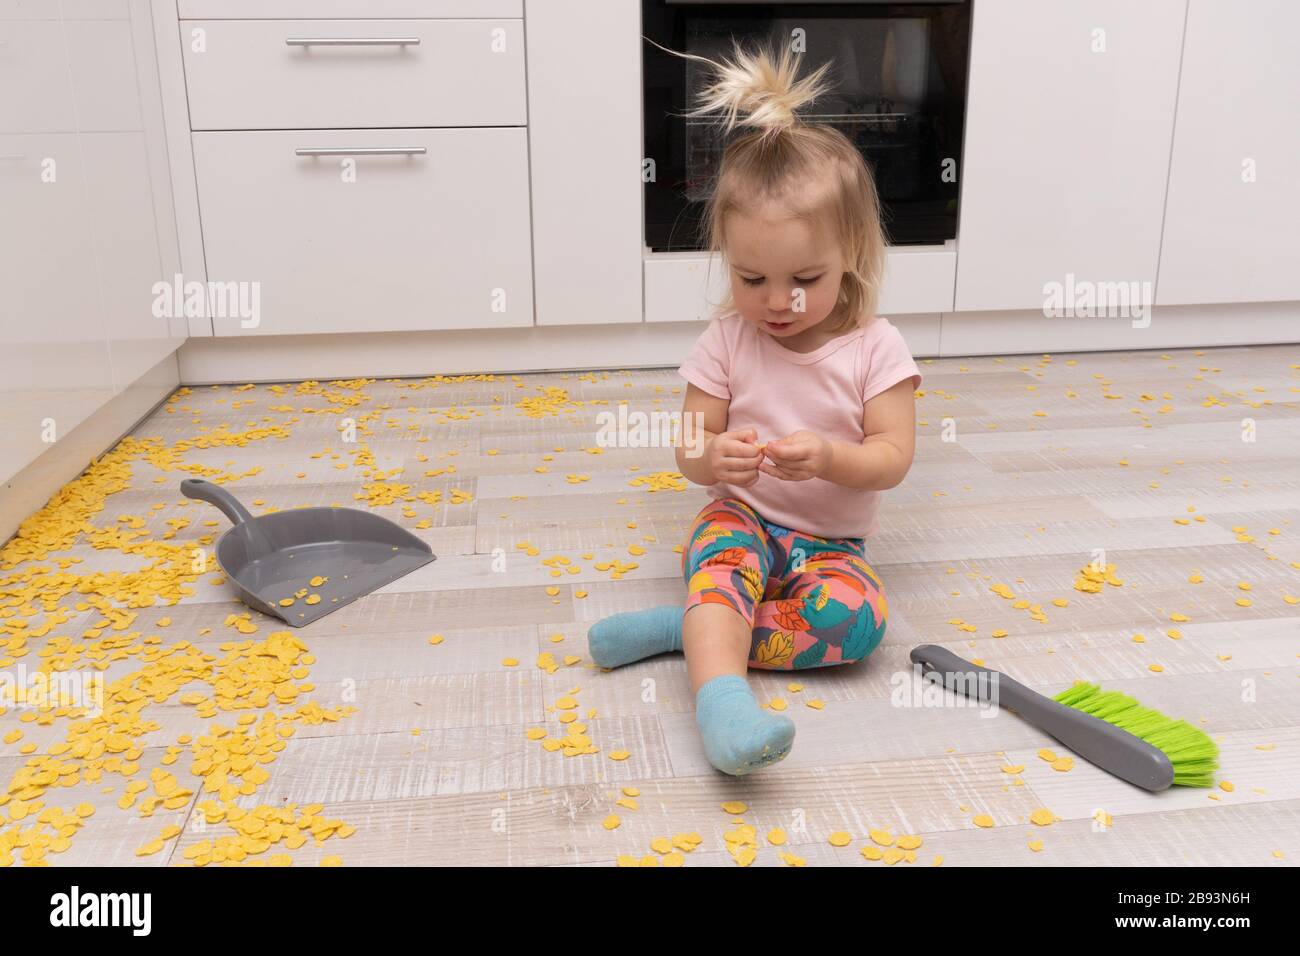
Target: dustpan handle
[{"x": 216, "y": 495}]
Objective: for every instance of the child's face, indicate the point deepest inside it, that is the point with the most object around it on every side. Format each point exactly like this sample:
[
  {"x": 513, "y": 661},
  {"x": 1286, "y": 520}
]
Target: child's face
[{"x": 785, "y": 276}]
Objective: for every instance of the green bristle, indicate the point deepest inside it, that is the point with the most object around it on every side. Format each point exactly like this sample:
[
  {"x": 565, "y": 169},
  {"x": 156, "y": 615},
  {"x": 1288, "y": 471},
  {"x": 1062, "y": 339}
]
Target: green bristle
[{"x": 1194, "y": 755}]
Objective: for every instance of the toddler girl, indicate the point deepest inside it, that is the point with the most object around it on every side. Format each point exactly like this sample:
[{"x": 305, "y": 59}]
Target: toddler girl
[{"x": 807, "y": 406}]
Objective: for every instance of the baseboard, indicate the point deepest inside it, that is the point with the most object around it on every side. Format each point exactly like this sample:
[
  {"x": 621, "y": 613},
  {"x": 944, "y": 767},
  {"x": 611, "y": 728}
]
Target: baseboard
[
  {"x": 1166, "y": 327},
  {"x": 29, "y": 490},
  {"x": 280, "y": 358},
  {"x": 264, "y": 358}
]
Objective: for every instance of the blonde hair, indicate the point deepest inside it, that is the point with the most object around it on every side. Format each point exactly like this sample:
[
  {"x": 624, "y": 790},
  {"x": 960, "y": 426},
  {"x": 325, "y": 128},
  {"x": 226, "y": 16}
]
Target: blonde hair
[{"x": 781, "y": 155}]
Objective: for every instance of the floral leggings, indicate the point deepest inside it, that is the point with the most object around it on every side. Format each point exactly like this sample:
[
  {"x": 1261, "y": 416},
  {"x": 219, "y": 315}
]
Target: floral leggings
[{"x": 811, "y": 601}]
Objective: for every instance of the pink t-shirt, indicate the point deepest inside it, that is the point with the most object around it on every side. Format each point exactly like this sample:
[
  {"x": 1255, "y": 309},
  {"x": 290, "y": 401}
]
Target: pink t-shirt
[{"x": 778, "y": 391}]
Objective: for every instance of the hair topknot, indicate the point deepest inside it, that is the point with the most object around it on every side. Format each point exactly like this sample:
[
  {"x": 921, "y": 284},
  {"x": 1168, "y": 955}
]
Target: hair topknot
[{"x": 756, "y": 88}]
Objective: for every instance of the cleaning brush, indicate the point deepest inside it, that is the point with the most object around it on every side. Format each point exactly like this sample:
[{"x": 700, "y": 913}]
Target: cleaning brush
[{"x": 1106, "y": 728}]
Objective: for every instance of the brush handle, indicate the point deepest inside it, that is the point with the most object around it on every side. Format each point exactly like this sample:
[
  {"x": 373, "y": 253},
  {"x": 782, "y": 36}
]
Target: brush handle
[{"x": 1114, "y": 750}]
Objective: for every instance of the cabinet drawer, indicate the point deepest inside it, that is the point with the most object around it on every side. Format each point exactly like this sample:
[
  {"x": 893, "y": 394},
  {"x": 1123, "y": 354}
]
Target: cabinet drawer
[
  {"x": 365, "y": 242},
  {"x": 318, "y": 9},
  {"x": 267, "y": 74}
]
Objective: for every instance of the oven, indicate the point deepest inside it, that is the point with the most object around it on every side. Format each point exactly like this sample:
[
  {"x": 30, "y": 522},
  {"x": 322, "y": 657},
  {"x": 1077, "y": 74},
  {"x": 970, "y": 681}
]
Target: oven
[{"x": 897, "y": 90}]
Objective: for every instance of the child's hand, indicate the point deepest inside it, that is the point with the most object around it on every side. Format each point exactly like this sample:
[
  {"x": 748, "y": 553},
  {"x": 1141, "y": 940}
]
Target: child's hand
[
  {"x": 734, "y": 457},
  {"x": 797, "y": 457}
]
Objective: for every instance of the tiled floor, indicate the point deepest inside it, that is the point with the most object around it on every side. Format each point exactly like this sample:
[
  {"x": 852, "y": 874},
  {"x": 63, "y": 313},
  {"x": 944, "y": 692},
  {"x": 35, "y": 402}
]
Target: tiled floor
[{"x": 1169, "y": 466}]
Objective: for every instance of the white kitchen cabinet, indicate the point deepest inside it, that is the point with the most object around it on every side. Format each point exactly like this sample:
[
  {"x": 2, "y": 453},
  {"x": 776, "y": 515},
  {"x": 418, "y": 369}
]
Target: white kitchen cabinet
[
  {"x": 435, "y": 238},
  {"x": 584, "y": 96},
  {"x": 128, "y": 185},
  {"x": 269, "y": 74},
  {"x": 53, "y": 346},
  {"x": 1233, "y": 211},
  {"x": 1069, "y": 124},
  {"x": 86, "y": 223}
]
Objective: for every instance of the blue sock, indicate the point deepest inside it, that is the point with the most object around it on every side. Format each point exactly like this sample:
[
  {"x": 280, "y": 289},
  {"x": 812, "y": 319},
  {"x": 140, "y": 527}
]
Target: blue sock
[
  {"x": 633, "y": 635},
  {"x": 739, "y": 736}
]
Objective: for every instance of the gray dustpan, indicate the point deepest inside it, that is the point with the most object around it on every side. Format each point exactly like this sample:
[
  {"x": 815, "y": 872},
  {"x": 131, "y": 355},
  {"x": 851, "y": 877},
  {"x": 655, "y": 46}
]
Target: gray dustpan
[{"x": 275, "y": 556}]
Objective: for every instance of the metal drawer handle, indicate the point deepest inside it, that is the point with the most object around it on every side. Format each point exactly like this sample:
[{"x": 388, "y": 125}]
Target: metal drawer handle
[
  {"x": 362, "y": 151},
  {"x": 352, "y": 41}
]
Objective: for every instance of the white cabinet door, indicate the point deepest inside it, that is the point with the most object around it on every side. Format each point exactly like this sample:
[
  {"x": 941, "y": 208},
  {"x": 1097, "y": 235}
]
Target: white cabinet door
[
  {"x": 1069, "y": 122},
  {"x": 367, "y": 243},
  {"x": 128, "y": 184},
  {"x": 55, "y": 369},
  {"x": 1233, "y": 211},
  {"x": 85, "y": 217},
  {"x": 585, "y": 145}
]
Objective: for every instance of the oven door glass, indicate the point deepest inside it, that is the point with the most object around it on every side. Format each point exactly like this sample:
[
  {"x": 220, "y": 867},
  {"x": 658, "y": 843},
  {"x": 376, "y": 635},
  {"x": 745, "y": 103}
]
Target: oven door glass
[{"x": 896, "y": 89}]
